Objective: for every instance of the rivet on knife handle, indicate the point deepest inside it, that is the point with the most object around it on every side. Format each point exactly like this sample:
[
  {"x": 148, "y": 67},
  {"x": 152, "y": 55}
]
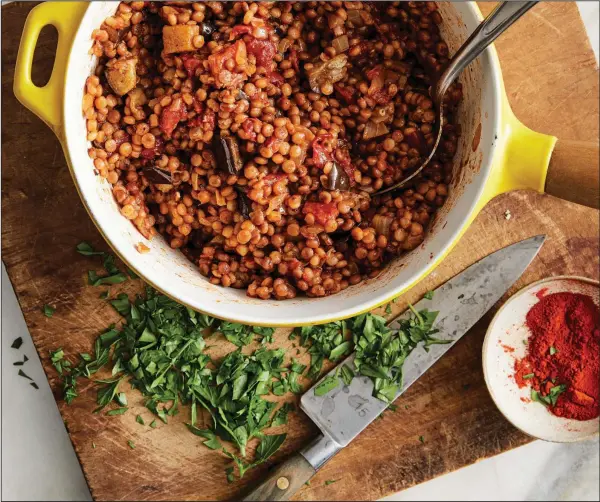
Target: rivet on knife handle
[{"x": 283, "y": 481}]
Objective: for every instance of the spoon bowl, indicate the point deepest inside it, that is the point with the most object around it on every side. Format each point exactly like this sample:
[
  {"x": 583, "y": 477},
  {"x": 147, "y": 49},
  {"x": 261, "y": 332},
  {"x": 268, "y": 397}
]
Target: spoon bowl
[{"x": 499, "y": 20}]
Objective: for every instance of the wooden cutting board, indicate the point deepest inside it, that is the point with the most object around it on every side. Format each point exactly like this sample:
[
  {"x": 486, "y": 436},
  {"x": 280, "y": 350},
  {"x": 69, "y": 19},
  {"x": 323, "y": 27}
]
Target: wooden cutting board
[{"x": 552, "y": 82}]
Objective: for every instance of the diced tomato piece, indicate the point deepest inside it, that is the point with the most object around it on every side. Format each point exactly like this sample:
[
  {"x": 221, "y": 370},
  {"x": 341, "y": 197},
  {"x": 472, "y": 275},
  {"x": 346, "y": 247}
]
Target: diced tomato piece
[
  {"x": 375, "y": 72},
  {"x": 272, "y": 142},
  {"x": 150, "y": 153},
  {"x": 344, "y": 161},
  {"x": 320, "y": 155},
  {"x": 263, "y": 50},
  {"x": 119, "y": 140},
  {"x": 239, "y": 29},
  {"x": 208, "y": 119},
  {"x": 294, "y": 60},
  {"x": 276, "y": 78},
  {"x": 271, "y": 179},
  {"x": 376, "y": 91},
  {"x": 323, "y": 212},
  {"x": 381, "y": 97},
  {"x": 190, "y": 64},
  {"x": 172, "y": 115},
  {"x": 198, "y": 105},
  {"x": 248, "y": 127},
  {"x": 346, "y": 92},
  {"x": 216, "y": 63}
]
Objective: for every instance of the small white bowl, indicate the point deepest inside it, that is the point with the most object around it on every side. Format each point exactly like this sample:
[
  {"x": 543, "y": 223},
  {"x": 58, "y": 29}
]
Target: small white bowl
[{"x": 504, "y": 343}]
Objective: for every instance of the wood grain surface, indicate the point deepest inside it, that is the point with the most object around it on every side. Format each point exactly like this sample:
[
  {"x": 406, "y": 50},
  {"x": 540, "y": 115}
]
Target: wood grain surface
[{"x": 552, "y": 82}]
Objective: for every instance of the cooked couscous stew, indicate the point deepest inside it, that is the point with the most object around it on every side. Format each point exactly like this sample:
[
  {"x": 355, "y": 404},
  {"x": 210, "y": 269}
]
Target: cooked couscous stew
[{"x": 253, "y": 135}]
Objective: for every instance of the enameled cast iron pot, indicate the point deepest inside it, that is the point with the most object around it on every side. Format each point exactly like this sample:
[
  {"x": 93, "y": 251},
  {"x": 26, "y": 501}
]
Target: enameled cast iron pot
[{"x": 496, "y": 153}]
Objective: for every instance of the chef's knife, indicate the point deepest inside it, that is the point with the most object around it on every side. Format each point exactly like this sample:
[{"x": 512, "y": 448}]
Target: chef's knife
[{"x": 347, "y": 410}]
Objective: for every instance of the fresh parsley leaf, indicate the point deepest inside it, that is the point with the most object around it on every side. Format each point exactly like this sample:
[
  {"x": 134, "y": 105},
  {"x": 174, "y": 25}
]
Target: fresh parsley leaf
[
  {"x": 331, "y": 481},
  {"x": 268, "y": 446},
  {"x": 121, "y": 398},
  {"x": 17, "y": 342},
  {"x": 553, "y": 351},
  {"x": 140, "y": 420},
  {"x": 121, "y": 304},
  {"x": 422, "y": 439},
  {"x": 87, "y": 250},
  {"x": 380, "y": 353},
  {"x": 528, "y": 376},
  {"x": 346, "y": 374},
  {"x": 211, "y": 442},
  {"x": 551, "y": 398},
  {"x": 106, "y": 394},
  {"x": 281, "y": 416},
  {"x": 153, "y": 424},
  {"x": 236, "y": 333},
  {"x": 428, "y": 295},
  {"x": 296, "y": 367},
  {"x": 265, "y": 334},
  {"x": 48, "y": 310},
  {"x": 95, "y": 280},
  {"x": 329, "y": 383},
  {"x": 388, "y": 309},
  {"x": 131, "y": 444},
  {"x": 323, "y": 342},
  {"x": 117, "y": 411}
]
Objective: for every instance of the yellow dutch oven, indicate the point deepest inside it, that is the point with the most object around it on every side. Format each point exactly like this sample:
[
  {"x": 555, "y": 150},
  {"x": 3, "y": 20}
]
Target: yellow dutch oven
[{"x": 496, "y": 154}]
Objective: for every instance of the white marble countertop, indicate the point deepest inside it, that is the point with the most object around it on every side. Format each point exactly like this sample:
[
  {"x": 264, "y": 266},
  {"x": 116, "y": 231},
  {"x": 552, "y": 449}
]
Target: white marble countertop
[{"x": 38, "y": 461}]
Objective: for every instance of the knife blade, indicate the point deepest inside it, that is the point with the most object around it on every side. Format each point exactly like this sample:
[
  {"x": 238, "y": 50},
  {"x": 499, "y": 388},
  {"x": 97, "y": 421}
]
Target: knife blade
[{"x": 347, "y": 410}]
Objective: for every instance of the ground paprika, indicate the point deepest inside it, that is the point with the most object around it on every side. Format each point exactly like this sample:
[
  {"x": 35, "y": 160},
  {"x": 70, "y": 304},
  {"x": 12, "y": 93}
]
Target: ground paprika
[{"x": 563, "y": 353}]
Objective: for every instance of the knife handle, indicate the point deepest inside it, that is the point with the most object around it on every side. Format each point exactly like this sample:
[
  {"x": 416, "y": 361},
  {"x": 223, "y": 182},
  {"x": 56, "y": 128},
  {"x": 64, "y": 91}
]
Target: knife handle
[{"x": 283, "y": 481}]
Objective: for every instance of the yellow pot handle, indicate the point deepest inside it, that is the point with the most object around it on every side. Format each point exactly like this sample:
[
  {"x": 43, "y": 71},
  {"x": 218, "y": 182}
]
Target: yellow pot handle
[
  {"x": 523, "y": 157},
  {"x": 47, "y": 102}
]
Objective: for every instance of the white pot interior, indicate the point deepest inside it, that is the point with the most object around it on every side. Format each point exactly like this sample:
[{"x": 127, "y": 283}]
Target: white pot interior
[{"x": 169, "y": 271}]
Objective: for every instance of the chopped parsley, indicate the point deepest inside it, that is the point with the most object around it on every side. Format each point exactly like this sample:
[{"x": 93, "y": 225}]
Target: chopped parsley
[
  {"x": 17, "y": 342},
  {"x": 324, "y": 341},
  {"x": 117, "y": 411},
  {"x": 380, "y": 352},
  {"x": 551, "y": 398},
  {"x": 48, "y": 310},
  {"x": 140, "y": 420},
  {"x": 331, "y": 481},
  {"x": 428, "y": 295},
  {"x": 529, "y": 376},
  {"x": 553, "y": 351}
]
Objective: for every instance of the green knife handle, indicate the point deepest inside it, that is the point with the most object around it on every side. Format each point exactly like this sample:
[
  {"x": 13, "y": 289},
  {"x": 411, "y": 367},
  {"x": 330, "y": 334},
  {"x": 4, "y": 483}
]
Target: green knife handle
[{"x": 284, "y": 480}]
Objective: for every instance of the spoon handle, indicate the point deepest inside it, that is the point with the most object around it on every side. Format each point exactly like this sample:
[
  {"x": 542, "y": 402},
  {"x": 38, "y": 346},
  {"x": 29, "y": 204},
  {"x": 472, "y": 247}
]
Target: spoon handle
[{"x": 500, "y": 19}]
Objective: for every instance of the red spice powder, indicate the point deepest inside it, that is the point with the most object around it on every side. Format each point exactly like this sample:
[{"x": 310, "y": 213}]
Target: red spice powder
[{"x": 564, "y": 349}]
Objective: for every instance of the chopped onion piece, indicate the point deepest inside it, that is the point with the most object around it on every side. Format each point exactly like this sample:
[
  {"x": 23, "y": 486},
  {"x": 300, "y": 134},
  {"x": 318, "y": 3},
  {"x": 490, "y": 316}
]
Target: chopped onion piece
[
  {"x": 382, "y": 224},
  {"x": 372, "y": 130},
  {"x": 340, "y": 44},
  {"x": 354, "y": 17},
  {"x": 384, "y": 113}
]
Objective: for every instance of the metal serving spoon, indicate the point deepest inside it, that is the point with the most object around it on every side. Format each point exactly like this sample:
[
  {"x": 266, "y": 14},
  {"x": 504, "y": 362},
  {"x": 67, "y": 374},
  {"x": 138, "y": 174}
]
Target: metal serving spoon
[{"x": 499, "y": 20}]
